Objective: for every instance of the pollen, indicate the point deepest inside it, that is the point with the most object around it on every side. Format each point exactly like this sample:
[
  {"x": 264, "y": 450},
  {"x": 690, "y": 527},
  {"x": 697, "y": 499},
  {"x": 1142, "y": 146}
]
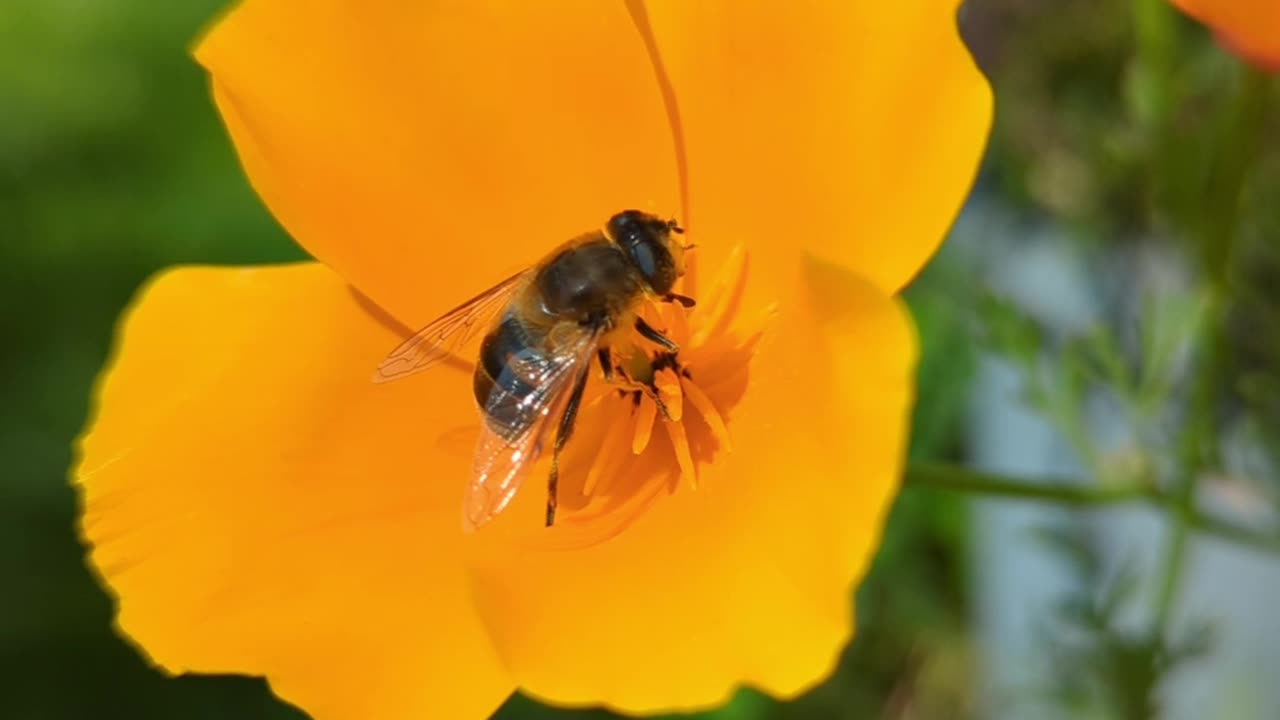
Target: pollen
[{"x": 669, "y": 416}]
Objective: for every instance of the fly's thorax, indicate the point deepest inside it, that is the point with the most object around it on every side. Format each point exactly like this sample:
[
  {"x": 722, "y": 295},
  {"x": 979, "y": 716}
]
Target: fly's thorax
[{"x": 589, "y": 282}]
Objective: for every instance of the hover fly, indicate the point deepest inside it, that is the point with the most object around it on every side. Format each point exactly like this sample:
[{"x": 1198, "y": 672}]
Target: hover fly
[{"x": 551, "y": 320}]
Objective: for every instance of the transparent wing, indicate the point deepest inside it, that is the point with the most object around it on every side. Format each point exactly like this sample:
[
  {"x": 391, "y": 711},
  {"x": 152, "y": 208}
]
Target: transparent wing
[
  {"x": 449, "y": 332},
  {"x": 529, "y": 417}
]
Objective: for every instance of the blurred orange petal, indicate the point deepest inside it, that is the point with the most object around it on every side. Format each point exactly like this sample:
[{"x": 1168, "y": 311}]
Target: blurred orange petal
[
  {"x": 1251, "y": 28},
  {"x": 747, "y": 578},
  {"x": 402, "y": 143},
  {"x": 258, "y": 506},
  {"x": 849, "y": 129}
]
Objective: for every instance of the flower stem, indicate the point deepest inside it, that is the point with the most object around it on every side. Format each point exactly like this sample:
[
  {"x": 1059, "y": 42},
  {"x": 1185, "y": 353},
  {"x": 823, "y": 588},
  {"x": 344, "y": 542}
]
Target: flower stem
[
  {"x": 1196, "y": 430},
  {"x": 1240, "y": 138},
  {"x": 1058, "y": 491},
  {"x": 1156, "y": 43},
  {"x": 1236, "y": 148}
]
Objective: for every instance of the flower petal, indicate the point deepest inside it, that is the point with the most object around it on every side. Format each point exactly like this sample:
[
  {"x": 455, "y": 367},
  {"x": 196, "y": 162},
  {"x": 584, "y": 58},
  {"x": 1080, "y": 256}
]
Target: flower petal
[
  {"x": 259, "y": 506},
  {"x": 850, "y": 129},
  {"x": 1250, "y": 28},
  {"x": 427, "y": 150},
  {"x": 746, "y": 579}
]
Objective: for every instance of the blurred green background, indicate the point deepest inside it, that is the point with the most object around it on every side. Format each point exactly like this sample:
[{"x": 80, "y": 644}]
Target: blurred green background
[{"x": 113, "y": 165}]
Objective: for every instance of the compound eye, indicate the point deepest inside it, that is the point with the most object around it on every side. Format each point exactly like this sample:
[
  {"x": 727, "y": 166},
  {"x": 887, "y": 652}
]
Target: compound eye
[
  {"x": 643, "y": 257},
  {"x": 625, "y": 222}
]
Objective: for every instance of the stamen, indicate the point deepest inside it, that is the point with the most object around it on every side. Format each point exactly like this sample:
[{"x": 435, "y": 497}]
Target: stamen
[
  {"x": 676, "y": 318},
  {"x": 667, "y": 383},
  {"x": 719, "y": 348},
  {"x": 645, "y": 415},
  {"x": 651, "y": 385},
  {"x": 684, "y": 457},
  {"x": 709, "y": 413},
  {"x": 610, "y": 447},
  {"x": 730, "y": 286}
]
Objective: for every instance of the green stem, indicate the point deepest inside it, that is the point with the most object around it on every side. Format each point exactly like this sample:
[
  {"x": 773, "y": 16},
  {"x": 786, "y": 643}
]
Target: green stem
[
  {"x": 1196, "y": 431},
  {"x": 1156, "y": 42},
  {"x": 1056, "y": 491},
  {"x": 1240, "y": 138},
  {"x": 959, "y": 479},
  {"x": 1224, "y": 530},
  {"x": 1236, "y": 147}
]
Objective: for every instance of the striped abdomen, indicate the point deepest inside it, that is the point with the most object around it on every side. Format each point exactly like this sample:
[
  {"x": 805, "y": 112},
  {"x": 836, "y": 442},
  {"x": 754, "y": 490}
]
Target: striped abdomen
[
  {"x": 509, "y": 343},
  {"x": 588, "y": 282}
]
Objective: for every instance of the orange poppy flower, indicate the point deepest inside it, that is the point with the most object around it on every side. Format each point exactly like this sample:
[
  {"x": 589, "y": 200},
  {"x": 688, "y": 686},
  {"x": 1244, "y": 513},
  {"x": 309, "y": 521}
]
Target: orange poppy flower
[
  {"x": 1250, "y": 28},
  {"x": 258, "y": 506}
]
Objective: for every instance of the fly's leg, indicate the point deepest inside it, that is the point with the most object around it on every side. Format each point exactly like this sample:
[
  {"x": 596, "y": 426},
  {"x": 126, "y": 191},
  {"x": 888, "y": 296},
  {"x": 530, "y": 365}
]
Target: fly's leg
[
  {"x": 629, "y": 386},
  {"x": 605, "y": 357},
  {"x": 648, "y": 332},
  {"x": 684, "y": 300},
  {"x": 562, "y": 436}
]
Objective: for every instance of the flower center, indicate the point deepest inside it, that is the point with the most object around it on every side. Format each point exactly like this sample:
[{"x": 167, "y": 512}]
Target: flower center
[{"x": 665, "y": 417}]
